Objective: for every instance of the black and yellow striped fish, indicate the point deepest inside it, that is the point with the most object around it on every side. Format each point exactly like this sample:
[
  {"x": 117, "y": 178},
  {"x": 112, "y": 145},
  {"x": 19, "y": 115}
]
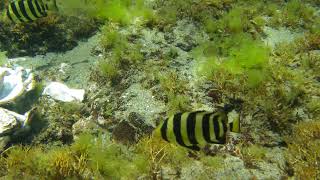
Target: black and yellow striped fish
[
  {"x": 29, "y": 10},
  {"x": 196, "y": 129}
]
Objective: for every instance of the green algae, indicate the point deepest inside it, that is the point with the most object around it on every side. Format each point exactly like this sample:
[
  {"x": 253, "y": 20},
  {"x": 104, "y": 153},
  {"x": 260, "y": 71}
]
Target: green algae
[
  {"x": 3, "y": 58},
  {"x": 303, "y": 152},
  {"x": 245, "y": 56}
]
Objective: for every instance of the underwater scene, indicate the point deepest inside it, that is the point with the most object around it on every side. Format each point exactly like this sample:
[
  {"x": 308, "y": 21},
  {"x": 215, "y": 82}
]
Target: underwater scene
[{"x": 159, "y": 89}]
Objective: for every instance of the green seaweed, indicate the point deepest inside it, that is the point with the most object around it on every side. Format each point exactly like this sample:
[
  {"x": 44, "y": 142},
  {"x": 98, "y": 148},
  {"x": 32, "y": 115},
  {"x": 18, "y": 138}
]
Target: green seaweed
[
  {"x": 254, "y": 153},
  {"x": 215, "y": 162},
  {"x": 3, "y": 58},
  {"x": 245, "y": 56},
  {"x": 295, "y": 14},
  {"x": 123, "y": 12},
  {"x": 174, "y": 88},
  {"x": 97, "y": 156},
  {"x": 109, "y": 70},
  {"x": 303, "y": 152}
]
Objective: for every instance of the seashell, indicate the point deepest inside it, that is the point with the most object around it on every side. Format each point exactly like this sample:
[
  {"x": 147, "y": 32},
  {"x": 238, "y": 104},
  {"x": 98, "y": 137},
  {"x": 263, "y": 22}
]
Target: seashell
[
  {"x": 14, "y": 83},
  {"x": 61, "y": 92}
]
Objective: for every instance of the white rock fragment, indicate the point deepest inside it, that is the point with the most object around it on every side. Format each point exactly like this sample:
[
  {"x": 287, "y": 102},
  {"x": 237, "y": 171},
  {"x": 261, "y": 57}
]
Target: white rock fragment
[
  {"x": 280, "y": 35},
  {"x": 9, "y": 120},
  {"x": 18, "y": 59},
  {"x": 14, "y": 82},
  {"x": 64, "y": 67},
  {"x": 61, "y": 92}
]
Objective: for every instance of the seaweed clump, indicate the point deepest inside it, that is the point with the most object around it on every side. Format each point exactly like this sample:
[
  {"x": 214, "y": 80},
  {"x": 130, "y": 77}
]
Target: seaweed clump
[
  {"x": 87, "y": 157},
  {"x": 303, "y": 153},
  {"x": 50, "y": 34},
  {"x": 246, "y": 57},
  {"x": 119, "y": 54}
]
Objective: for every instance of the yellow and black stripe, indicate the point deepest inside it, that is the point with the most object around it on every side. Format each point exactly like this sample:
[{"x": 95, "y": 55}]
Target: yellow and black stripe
[
  {"x": 196, "y": 129},
  {"x": 192, "y": 129},
  {"x": 26, "y": 10}
]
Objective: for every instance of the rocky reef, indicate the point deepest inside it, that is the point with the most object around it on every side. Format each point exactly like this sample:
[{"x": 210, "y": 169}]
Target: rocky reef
[{"x": 138, "y": 63}]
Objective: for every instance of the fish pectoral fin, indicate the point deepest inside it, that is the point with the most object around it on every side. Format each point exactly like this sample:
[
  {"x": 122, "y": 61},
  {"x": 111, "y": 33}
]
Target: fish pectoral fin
[{"x": 193, "y": 147}]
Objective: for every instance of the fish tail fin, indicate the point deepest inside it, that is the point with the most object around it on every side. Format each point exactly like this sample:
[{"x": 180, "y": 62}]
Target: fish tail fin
[
  {"x": 235, "y": 125},
  {"x": 157, "y": 132},
  {"x": 53, "y": 6}
]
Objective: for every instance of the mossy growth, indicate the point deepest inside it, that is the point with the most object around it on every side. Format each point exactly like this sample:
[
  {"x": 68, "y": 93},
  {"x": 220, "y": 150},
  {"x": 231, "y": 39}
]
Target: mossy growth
[
  {"x": 118, "y": 54},
  {"x": 111, "y": 38},
  {"x": 174, "y": 89},
  {"x": 313, "y": 106},
  {"x": 3, "y": 58},
  {"x": 295, "y": 14},
  {"x": 88, "y": 157},
  {"x": 235, "y": 21},
  {"x": 213, "y": 162},
  {"x": 245, "y": 56},
  {"x": 123, "y": 12},
  {"x": 177, "y": 103},
  {"x": 303, "y": 152},
  {"x": 254, "y": 153},
  {"x": 160, "y": 153},
  {"x": 171, "y": 11},
  {"x": 109, "y": 70},
  {"x": 54, "y": 33},
  {"x": 96, "y": 156},
  {"x": 279, "y": 85},
  {"x": 117, "y": 46}
]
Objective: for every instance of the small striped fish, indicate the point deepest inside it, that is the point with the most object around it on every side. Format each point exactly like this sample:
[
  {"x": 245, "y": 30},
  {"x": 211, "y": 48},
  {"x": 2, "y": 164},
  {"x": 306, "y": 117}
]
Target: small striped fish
[
  {"x": 193, "y": 130},
  {"x": 29, "y": 10}
]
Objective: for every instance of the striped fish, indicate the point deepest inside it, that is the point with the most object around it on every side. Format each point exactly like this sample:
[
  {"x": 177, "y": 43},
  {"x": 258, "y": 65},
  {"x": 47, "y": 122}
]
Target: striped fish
[
  {"x": 194, "y": 130},
  {"x": 29, "y": 10}
]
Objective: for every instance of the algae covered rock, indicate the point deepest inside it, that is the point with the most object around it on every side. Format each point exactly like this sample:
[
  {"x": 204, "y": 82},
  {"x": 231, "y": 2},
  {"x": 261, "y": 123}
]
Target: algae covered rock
[
  {"x": 131, "y": 130},
  {"x": 83, "y": 126}
]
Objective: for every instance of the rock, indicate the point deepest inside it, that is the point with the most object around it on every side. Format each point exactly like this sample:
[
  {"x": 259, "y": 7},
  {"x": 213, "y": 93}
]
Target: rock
[
  {"x": 124, "y": 133},
  {"x": 131, "y": 130},
  {"x": 61, "y": 92},
  {"x": 138, "y": 121},
  {"x": 140, "y": 100},
  {"x": 14, "y": 83},
  {"x": 84, "y": 126},
  {"x": 280, "y": 35},
  {"x": 12, "y": 123}
]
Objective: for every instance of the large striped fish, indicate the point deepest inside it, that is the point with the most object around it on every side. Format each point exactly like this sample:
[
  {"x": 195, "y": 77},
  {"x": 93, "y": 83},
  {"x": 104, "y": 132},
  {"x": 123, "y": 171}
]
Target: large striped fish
[
  {"x": 194, "y": 130},
  {"x": 29, "y": 10}
]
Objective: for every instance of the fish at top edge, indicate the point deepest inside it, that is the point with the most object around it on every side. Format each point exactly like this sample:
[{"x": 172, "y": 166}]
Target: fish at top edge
[{"x": 20, "y": 11}]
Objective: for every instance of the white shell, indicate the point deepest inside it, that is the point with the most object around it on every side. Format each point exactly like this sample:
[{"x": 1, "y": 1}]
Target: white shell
[
  {"x": 61, "y": 92},
  {"x": 14, "y": 82}
]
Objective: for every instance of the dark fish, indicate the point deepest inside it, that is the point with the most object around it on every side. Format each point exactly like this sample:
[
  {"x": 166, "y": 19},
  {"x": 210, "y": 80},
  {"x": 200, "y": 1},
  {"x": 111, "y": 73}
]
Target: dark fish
[
  {"x": 29, "y": 10},
  {"x": 193, "y": 130}
]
